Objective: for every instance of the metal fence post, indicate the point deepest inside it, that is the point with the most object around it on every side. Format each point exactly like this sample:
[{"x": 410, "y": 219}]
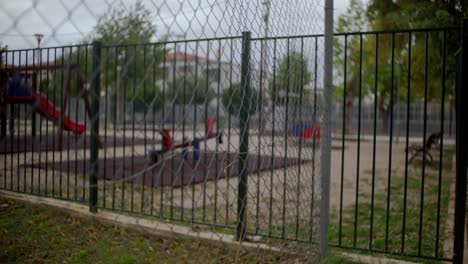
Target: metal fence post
[
  {"x": 244, "y": 138},
  {"x": 325, "y": 161},
  {"x": 94, "y": 141},
  {"x": 461, "y": 148}
]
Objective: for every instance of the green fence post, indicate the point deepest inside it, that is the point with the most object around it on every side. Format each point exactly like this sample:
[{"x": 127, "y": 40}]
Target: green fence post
[
  {"x": 94, "y": 142},
  {"x": 244, "y": 138}
]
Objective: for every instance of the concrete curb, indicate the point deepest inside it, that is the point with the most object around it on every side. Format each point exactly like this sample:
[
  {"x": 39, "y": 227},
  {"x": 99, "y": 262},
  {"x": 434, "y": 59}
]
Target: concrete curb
[{"x": 373, "y": 259}]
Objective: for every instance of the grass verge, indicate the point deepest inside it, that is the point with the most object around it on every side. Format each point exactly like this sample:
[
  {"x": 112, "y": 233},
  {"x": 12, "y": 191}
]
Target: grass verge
[
  {"x": 39, "y": 234},
  {"x": 420, "y": 233}
]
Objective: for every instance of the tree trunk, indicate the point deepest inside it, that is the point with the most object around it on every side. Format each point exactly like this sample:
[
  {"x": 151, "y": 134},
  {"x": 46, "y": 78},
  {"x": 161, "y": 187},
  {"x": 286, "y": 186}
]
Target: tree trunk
[
  {"x": 350, "y": 95},
  {"x": 348, "y": 116},
  {"x": 120, "y": 106},
  {"x": 385, "y": 117}
]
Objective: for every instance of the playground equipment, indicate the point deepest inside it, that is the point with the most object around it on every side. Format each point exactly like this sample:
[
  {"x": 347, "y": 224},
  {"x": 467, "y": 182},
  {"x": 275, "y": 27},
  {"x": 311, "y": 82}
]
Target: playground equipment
[
  {"x": 18, "y": 86},
  {"x": 168, "y": 144},
  {"x": 305, "y": 131}
]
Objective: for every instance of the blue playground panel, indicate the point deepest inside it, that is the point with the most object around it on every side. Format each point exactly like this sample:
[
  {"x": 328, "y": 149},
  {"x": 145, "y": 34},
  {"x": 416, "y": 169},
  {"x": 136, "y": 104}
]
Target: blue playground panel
[
  {"x": 19, "y": 85},
  {"x": 196, "y": 148}
]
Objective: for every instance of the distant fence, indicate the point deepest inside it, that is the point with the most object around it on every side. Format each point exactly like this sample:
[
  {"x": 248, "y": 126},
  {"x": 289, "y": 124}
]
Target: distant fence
[{"x": 416, "y": 119}]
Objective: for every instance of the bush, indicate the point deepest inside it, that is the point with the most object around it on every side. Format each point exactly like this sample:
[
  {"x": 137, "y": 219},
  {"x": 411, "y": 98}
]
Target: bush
[{"x": 232, "y": 99}]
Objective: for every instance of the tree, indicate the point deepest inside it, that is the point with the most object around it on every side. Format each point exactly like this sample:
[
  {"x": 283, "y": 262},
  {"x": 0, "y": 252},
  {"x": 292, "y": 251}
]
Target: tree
[
  {"x": 290, "y": 80},
  {"x": 3, "y": 48},
  {"x": 423, "y": 14},
  {"x": 394, "y": 15},
  {"x": 128, "y": 72},
  {"x": 232, "y": 99},
  {"x": 354, "y": 19},
  {"x": 418, "y": 14},
  {"x": 133, "y": 68},
  {"x": 290, "y": 86},
  {"x": 189, "y": 90},
  {"x": 122, "y": 26}
]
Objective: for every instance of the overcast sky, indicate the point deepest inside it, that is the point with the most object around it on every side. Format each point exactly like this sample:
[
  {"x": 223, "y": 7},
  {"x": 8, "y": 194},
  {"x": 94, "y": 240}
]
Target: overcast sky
[{"x": 68, "y": 21}]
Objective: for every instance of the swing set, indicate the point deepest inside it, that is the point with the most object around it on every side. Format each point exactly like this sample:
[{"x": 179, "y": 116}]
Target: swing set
[{"x": 18, "y": 85}]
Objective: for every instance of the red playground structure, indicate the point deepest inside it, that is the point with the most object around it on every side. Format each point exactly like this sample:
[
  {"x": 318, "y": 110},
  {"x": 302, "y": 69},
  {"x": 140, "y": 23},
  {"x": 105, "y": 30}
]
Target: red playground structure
[
  {"x": 18, "y": 85},
  {"x": 306, "y": 131},
  {"x": 168, "y": 144}
]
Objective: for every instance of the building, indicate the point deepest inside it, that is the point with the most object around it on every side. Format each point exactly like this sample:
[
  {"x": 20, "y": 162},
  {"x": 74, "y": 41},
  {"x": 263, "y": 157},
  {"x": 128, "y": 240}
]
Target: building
[{"x": 216, "y": 71}]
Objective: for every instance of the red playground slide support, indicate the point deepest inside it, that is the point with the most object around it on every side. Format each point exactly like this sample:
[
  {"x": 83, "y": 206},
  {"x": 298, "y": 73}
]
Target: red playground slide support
[{"x": 49, "y": 111}]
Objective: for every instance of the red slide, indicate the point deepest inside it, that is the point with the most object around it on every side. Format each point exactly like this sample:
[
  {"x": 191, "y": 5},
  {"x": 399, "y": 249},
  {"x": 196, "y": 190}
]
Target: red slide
[{"x": 49, "y": 111}]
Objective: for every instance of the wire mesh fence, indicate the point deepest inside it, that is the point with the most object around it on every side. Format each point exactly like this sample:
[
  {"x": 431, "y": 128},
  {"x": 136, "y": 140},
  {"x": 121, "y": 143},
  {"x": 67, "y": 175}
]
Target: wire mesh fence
[
  {"x": 171, "y": 114},
  {"x": 180, "y": 156},
  {"x": 210, "y": 118},
  {"x": 394, "y": 173}
]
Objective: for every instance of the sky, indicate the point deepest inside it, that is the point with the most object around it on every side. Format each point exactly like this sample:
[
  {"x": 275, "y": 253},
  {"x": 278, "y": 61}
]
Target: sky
[{"x": 65, "y": 22}]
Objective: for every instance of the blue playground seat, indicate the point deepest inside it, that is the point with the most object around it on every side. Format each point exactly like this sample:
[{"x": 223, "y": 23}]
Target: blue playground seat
[{"x": 19, "y": 85}]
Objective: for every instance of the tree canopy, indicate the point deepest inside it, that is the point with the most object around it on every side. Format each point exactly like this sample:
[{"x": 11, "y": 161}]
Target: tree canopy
[
  {"x": 127, "y": 70},
  {"x": 404, "y": 14},
  {"x": 391, "y": 59},
  {"x": 2, "y": 49},
  {"x": 290, "y": 80},
  {"x": 136, "y": 65},
  {"x": 232, "y": 99},
  {"x": 189, "y": 90}
]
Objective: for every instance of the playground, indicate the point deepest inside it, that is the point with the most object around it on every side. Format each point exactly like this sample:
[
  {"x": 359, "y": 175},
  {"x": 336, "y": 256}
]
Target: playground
[
  {"x": 211, "y": 166},
  {"x": 156, "y": 166},
  {"x": 206, "y": 190},
  {"x": 183, "y": 166},
  {"x": 19, "y": 86}
]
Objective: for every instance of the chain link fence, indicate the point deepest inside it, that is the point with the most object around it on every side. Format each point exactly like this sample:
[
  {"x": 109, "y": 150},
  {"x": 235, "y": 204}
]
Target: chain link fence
[{"x": 199, "y": 114}]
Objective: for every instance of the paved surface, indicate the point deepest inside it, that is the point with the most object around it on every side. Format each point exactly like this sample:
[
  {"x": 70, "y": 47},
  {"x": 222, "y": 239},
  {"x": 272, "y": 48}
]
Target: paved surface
[
  {"x": 26, "y": 143},
  {"x": 174, "y": 171},
  {"x": 281, "y": 194}
]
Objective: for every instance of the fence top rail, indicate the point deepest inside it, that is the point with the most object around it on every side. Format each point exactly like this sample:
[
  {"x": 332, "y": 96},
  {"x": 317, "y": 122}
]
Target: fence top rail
[
  {"x": 169, "y": 42},
  {"x": 41, "y": 49},
  {"x": 374, "y": 32},
  {"x": 397, "y": 31},
  {"x": 165, "y": 42}
]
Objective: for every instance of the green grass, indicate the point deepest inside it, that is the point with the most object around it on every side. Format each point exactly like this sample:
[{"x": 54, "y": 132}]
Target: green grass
[
  {"x": 34, "y": 233},
  {"x": 393, "y": 242},
  {"x": 39, "y": 234},
  {"x": 362, "y": 239}
]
